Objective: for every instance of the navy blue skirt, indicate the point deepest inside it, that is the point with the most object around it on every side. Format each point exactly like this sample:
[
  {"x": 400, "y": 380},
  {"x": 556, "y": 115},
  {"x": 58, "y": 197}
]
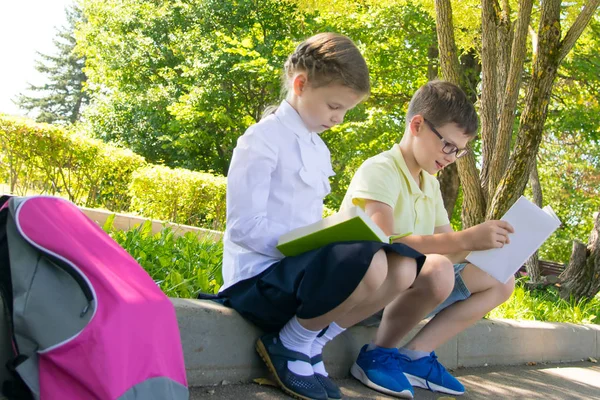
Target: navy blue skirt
[{"x": 307, "y": 285}]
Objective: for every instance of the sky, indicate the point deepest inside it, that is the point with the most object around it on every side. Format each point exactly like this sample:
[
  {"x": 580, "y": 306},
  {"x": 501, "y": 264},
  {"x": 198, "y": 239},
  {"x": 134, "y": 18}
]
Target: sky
[{"x": 26, "y": 26}]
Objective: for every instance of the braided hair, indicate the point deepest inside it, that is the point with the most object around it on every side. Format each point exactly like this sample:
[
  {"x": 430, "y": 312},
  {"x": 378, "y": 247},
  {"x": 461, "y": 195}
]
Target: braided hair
[
  {"x": 330, "y": 58},
  {"x": 327, "y": 58}
]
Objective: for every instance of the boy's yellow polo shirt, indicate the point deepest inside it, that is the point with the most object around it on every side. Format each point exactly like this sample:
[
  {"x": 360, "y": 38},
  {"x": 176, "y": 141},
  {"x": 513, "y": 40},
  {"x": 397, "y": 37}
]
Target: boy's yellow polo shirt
[{"x": 385, "y": 178}]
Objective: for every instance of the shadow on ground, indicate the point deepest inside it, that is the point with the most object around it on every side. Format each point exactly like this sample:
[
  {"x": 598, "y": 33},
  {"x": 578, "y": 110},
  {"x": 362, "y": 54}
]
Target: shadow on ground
[{"x": 573, "y": 381}]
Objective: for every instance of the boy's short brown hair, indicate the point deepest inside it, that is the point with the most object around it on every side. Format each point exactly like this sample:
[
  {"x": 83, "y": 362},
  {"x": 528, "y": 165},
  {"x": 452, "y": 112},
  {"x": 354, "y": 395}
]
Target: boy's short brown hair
[{"x": 440, "y": 103}]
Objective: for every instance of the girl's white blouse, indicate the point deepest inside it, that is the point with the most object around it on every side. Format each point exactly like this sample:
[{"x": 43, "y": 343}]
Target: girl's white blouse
[{"x": 277, "y": 179}]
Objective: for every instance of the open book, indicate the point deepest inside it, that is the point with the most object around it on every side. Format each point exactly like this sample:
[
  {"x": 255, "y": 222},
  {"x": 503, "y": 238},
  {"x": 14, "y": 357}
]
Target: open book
[
  {"x": 532, "y": 225},
  {"x": 350, "y": 224}
]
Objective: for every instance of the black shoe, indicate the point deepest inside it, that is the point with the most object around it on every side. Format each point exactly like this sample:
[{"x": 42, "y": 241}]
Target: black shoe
[
  {"x": 333, "y": 391},
  {"x": 276, "y": 356}
]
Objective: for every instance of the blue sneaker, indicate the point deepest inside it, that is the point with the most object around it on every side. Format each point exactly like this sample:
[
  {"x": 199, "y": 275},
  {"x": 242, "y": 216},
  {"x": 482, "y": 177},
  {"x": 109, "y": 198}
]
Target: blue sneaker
[
  {"x": 380, "y": 369},
  {"x": 428, "y": 373},
  {"x": 276, "y": 356}
]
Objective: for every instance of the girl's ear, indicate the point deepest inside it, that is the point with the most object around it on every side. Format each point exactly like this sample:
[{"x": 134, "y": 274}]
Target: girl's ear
[{"x": 299, "y": 84}]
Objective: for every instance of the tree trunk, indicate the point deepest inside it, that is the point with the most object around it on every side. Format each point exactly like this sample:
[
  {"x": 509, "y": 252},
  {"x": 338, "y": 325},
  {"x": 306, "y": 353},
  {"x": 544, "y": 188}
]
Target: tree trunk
[
  {"x": 550, "y": 53},
  {"x": 510, "y": 95},
  {"x": 581, "y": 278},
  {"x": 449, "y": 184},
  {"x": 532, "y": 121},
  {"x": 533, "y": 264},
  {"x": 432, "y": 62},
  {"x": 489, "y": 89},
  {"x": 473, "y": 210},
  {"x": 450, "y": 67}
]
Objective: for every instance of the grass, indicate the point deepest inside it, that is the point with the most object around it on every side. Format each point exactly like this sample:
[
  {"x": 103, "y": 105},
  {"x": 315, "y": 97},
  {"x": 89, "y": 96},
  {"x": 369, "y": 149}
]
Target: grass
[
  {"x": 182, "y": 266},
  {"x": 547, "y": 305}
]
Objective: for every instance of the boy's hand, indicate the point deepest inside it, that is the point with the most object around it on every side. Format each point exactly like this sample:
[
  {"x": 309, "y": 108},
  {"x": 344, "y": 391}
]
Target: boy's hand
[{"x": 488, "y": 235}]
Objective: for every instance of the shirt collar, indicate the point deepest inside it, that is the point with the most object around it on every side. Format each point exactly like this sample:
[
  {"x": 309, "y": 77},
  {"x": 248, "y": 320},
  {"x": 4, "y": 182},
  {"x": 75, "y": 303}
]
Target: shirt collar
[
  {"x": 289, "y": 117},
  {"x": 413, "y": 187}
]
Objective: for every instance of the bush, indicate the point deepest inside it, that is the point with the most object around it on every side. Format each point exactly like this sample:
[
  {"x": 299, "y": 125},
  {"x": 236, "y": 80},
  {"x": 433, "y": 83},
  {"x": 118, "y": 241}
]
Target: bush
[
  {"x": 182, "y": 266},
  {"x": 48, "y": 159},
  {"x": 179, "y": 195}
]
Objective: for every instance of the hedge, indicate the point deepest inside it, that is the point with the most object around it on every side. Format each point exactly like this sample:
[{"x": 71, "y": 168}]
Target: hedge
[
  {"x": 49, "y": 159},
  {"x": 179, "y": 195}
]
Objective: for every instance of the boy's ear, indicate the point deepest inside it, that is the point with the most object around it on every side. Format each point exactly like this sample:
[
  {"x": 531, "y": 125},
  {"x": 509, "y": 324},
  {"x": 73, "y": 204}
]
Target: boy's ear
[
  {"x": 299, "y": 84},
  {"x": 416, "y": 124}
]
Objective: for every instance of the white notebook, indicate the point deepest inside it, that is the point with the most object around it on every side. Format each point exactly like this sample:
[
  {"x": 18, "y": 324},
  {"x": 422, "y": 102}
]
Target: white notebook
[{"x": 532, "y": 225}]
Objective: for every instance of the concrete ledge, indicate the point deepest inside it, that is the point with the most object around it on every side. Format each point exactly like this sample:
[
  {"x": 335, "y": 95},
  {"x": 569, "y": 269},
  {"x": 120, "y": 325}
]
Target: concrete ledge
[
  {"x": 125, "y": 222},
  {"x": 218, "y": 344}
]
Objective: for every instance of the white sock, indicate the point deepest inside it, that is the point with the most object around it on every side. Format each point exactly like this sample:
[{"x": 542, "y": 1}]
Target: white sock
[
  {"x": 295, "y": 337},
  {"x": 317, "y": 345}
]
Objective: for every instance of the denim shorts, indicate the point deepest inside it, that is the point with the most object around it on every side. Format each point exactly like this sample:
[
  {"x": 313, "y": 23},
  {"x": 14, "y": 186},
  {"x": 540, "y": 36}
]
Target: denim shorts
[{"x": 459, "y": 293}]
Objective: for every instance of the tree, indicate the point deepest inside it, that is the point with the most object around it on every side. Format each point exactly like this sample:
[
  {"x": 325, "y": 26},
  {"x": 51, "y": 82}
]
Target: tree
[
  {"x": 63, "y": 97},
  {"x": 581, "y": 278},
  {"x": 504, "y": 174},
  {"x": 178, "y": 82}
]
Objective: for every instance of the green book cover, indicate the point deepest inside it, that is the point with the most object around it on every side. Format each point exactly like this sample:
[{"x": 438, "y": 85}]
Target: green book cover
[{"x": 348, "y": 225}]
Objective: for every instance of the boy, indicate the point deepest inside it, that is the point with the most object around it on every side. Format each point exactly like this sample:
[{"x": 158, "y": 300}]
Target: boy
[{"x": 398, "y": 191}]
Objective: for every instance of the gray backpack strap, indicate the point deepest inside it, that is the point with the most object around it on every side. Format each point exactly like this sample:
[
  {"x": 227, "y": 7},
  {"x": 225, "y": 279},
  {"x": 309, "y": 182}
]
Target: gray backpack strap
[
  {"x": 6, "y": 353},
  {"x": 28, "y": 371}
]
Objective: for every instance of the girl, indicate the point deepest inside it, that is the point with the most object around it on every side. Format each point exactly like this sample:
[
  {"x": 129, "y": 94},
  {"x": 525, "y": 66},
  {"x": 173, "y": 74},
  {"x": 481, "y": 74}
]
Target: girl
[{"x": 277, "y": 180}]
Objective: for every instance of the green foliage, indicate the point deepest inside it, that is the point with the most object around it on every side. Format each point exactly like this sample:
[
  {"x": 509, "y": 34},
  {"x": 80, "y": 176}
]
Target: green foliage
[
  {"x": 62, "y": 97},
  {"x": 182, "y": 266},
  {"x": 179, "y": 81},
  {"x": 396, "y": 49},
  {"x": 570, "y": 178},
  {"x": 48, "y": 159},
  {"x": 179, "y": 195},
  {"x": 547, "y": 305},
  {"x": 569, "y": 157}
]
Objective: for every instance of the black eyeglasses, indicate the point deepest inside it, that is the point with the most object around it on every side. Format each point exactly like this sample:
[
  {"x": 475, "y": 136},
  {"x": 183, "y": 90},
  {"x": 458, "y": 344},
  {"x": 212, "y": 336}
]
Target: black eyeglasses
[{"x": 448, "y": 148}]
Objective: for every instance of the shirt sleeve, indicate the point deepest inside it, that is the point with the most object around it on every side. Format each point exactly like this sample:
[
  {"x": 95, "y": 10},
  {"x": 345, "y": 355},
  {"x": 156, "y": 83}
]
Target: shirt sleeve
[
  {"x": 248, "y": 187},
  {"x": 441, "y": 215},
  {"x": 374, "y": 181}
]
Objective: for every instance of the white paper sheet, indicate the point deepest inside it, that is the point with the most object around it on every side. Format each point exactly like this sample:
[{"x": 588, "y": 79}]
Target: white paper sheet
[{"x": 532, "y": 225}]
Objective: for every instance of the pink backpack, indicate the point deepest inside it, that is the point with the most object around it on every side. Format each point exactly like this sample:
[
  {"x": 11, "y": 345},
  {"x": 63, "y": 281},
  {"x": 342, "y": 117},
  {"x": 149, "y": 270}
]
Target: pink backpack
[{"x": 85, "y": 320}]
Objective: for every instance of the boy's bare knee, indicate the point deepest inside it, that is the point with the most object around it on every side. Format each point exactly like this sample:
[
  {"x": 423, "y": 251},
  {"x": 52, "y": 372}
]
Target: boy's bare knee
[
  {"x": 438, "y": 277},
  {"x": 507, "y": 289}
]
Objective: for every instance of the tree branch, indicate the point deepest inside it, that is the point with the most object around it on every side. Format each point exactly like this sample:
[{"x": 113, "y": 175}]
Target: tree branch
[{"x": 577, "y": 28}]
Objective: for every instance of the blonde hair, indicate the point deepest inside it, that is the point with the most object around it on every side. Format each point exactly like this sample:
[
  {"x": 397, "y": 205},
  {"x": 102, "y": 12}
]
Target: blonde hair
[{"x": 326, "y": 58}]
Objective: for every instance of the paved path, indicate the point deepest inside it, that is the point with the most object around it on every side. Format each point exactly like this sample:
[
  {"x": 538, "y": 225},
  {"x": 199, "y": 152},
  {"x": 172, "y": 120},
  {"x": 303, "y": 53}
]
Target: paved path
[{"x": 576, "y": 381}]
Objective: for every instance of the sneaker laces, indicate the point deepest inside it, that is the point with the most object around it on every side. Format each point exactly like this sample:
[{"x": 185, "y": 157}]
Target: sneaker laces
[
  {"x": 435, "y": 366},
  {"x": 390, "y": 360}
]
